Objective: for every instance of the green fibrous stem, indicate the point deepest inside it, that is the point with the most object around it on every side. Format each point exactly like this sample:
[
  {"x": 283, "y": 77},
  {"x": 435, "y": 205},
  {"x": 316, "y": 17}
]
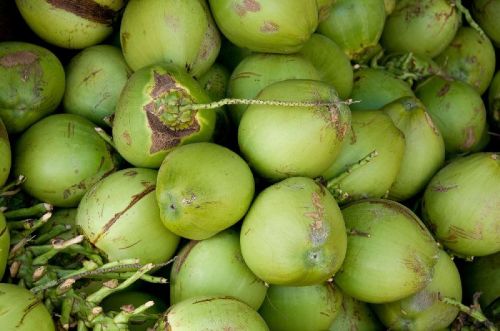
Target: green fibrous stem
[
  {"x": 468, "y": 17},
  {"x": 474, "y": 311}
]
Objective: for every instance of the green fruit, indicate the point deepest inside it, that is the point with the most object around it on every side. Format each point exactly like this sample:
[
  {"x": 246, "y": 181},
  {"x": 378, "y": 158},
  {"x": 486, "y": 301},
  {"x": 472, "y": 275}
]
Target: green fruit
[
  {"x": 457, "y": 110},
  {"x": 294, "y": 234},
  {"x": 215, "y": 81},
  {"x": 20, "y": 310},
  {"x": 369, "y": 160},
  {"x": 424, "y": 27},
  {"x": 71, "y": 24},
  {"x": 32, "y": 84},
  {"x": 215, "y": 266},
  {"x": 256, "y": 71},
  {"x": 469, "y": 58},
  {"x": 460, "y": 204},
  {"x": 266, "y": 26},
  {"x": 120, "y": 216},
  {"x": 486, "y": 13},
  {"x": 4, "y": 244},
  {"x": 374, "y": 88},
  {"x": 494, "y": 100},
  {"x": 148, "y": 124},
  {"x": 481, "y": 275},
  {"x": 356, "y": 26},
  {"x": 202, "y": 189},
  {"x": 425, "y": 309},
  {"x": 6, "y": 160},
  {"x": 356, "y": 316},
  {"x": 167, "y": 31},
  {"x": 301, "y": 308},
  {"x": 324, "y": 7},
  {"x": 95, "y": 78},
  {"x": 211, "y": 313},
  {"x": 285, "y": 141},
  {"x": 331, "y": 62},
  {"x": 390, "y": 253},
  {"x": 61, "y": 157},
  {"x": 424, "y": 147}
]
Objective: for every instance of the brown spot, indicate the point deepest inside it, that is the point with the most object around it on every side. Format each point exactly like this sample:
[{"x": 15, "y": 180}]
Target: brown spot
[
  {"x": 131, "y": 245},
  {"x": 443, "y": 90},
  {"x": 127, "y": 138},
  {"x": 70, "y": 129},
  {"x": 135, "y": 199},
  {"x": 87, "y": 9},
  {"x": 455, "y": 233},
  {"x": 27, "y": 310},
  {"x": 246, "y": 6},
  {"x": 130, "y": 173},
  {"x": 415, "y": 264},
  {"x": 124, "y": 38},
  {"x": 91, "y": 75},
  {"x": 245, "y": 74},
  {"x": 212, "y": 299},
  {"x": 21, "y": 58},
  {"x": 442, "y": 188},
  {"x": 162, "y": 84},
  {"x": 470, "y": 138},
  {"x": 3, "y": 231},
  {"x": 269, "y": 27},
  {"x": 179, "y": 261},
  {"x": 319, "y": 232}
]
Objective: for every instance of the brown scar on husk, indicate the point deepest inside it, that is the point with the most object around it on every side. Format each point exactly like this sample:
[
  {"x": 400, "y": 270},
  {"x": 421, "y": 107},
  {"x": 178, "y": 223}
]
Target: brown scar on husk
[
  {"x": 127, "y": 138},
  {"x": 241, "y": 9},
  {"x": 442, "y": 91},
  {"x": 269, "y": 27},
  {"x": 21, "y": 58},
  {"x": 318, "y": 229},
  {"x": 180, "y": 259},
  {"x": 87, "y": 9},
  {"x": 470, "y": 137},
  {"x": 456, "y": 232},
  {"x": 27, "y": 310},
  {"x": 442, "y": 188}
]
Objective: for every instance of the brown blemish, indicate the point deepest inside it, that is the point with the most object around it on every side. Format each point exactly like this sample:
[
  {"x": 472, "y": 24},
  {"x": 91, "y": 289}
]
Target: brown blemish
[
  {"x": 87, "y": 9},
  {"x": 212, "y": 299},
  {"x": 442, "y": 188},
  {"x": 27, "y": 310},
  {"x": 246, "y": 6},
  {"x": 470, "y": 138},
  {"x": 130, "y": 173},
  {"x": 131, "y": 245},
  {"x": 179, "y": 261},
  {"x": 3, "y": 231},
  {"x": 245, "y": 74},
  {"x": 318, "y": 230},
  {"x": 21, "y": 58},
  {"x": 162, "y": 84},
  {"x": 91, "y": 75},
  {"x": 414, "y": 263},
  {"x": 127, "y": 138},
  {"x": 455, "y": 233},
  {"x": 269, "y": 27},
  {"x": 124, "y": 38},
  {"x": 135, "y": 199},
  {"x": 443, "y": 90}
]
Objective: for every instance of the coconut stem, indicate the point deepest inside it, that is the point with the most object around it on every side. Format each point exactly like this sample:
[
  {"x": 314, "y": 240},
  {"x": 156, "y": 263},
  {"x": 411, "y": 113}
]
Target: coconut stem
[
  {"x": 13, "y": 187},
  {"x": 36, "y": 210},
  {"x": 106, "y": 137},
  {"x": 474, "y": 312},
  {"x": 468, "y": 17}
]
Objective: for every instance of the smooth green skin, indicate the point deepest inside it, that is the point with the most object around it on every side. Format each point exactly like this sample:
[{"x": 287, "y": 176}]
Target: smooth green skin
[
  {"x": 424, "y": 311},
  {"x": 457, "y": 110},
  {"x": 32, "y": 84},
  {"x": 280, "y": 142},
  {"x": 211, "y": 313},
  {"x": 63, "y": 27},
  {"x": 20, "y": 310},
  {"x": 215, "y": 266},
  {"x": 136, "y": 298},
  {"x": 390, "y": 253},
  {"x": 332, "y": 63},
  {"x": 215, "y": 81},
  {"x": 178, "y": 32},
  {"x": 355, "y": 315},
  {"x": 424, "y": 27},
  {"x": 374, "y": 88},
  {"x": 460, "y": 204},
  {"x": 424, "y": 147},
  {"x": 120, "y": 216},
  {"x": 266, "y": 26},
  {"x": 142, "y": 144},
  {"x": 6, "y": 160},
  {"x": 301, "y": 308},
  {"x": 256, "y": 71},
  {"x": 294, "y": 234},
  {"x": 4, "y": 244},
  {"x": 356, "y": 26},
  {"x": 95, "y": 78},
  {"x": 202, "y": 189},
  {"x": 469, "y": 58},
  {"x": 372, "y": 130},
  {"x": 481, "y": 275},
  {"x": 487, "y": 14},
  {"x": 494, "y": 100},
  {"x": 61, "y": 157}
]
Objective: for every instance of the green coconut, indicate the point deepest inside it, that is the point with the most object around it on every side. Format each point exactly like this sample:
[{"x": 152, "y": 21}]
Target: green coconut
[
  {"x": 215, "y": 266},
  {"x": 425, "y": 310},
  {"x": 370, "y": 158},
  {"x": 71, "y": 24},
  {"x": 202, "y": 189},
  {"x": 6, "y": 160},
  {"x": 332, "y": 63},
  {"x": 95, "y": 77},
  {"x": 424, "y": 27},
  {"x": 390, "y": 253},
  {"x": 356, "y": 26},
  {"x": 266, "y": 26},
  {"x": 374, "y": 88},
  {"x": 324, "y": 8},
  {"x": 257, "y": 71},
  {"x": 179, "y": 32},
  {"x": 4, "y": 244},
  {"x": 32, "y": 84},
  {"x": 460, "y": 205},
  {"x": 285, "y": 141},
  {"x": 355, "y": 315},
  {"x": 301, "y": 308},
  {"x": 20, "y": 310},
  {"x": 469, "y": 58},
  {"x": 149, "y": 122},
  {"x": 120, "y": 216},
  {"x": 424, "y": 147},
  {"x": 211, "y": 313},
  {"x": 458, "y": 111},
  {"x": 294, "y": 234},
  {"x": 487, "y": 15},
  {"x": 61, "y": 157}
]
